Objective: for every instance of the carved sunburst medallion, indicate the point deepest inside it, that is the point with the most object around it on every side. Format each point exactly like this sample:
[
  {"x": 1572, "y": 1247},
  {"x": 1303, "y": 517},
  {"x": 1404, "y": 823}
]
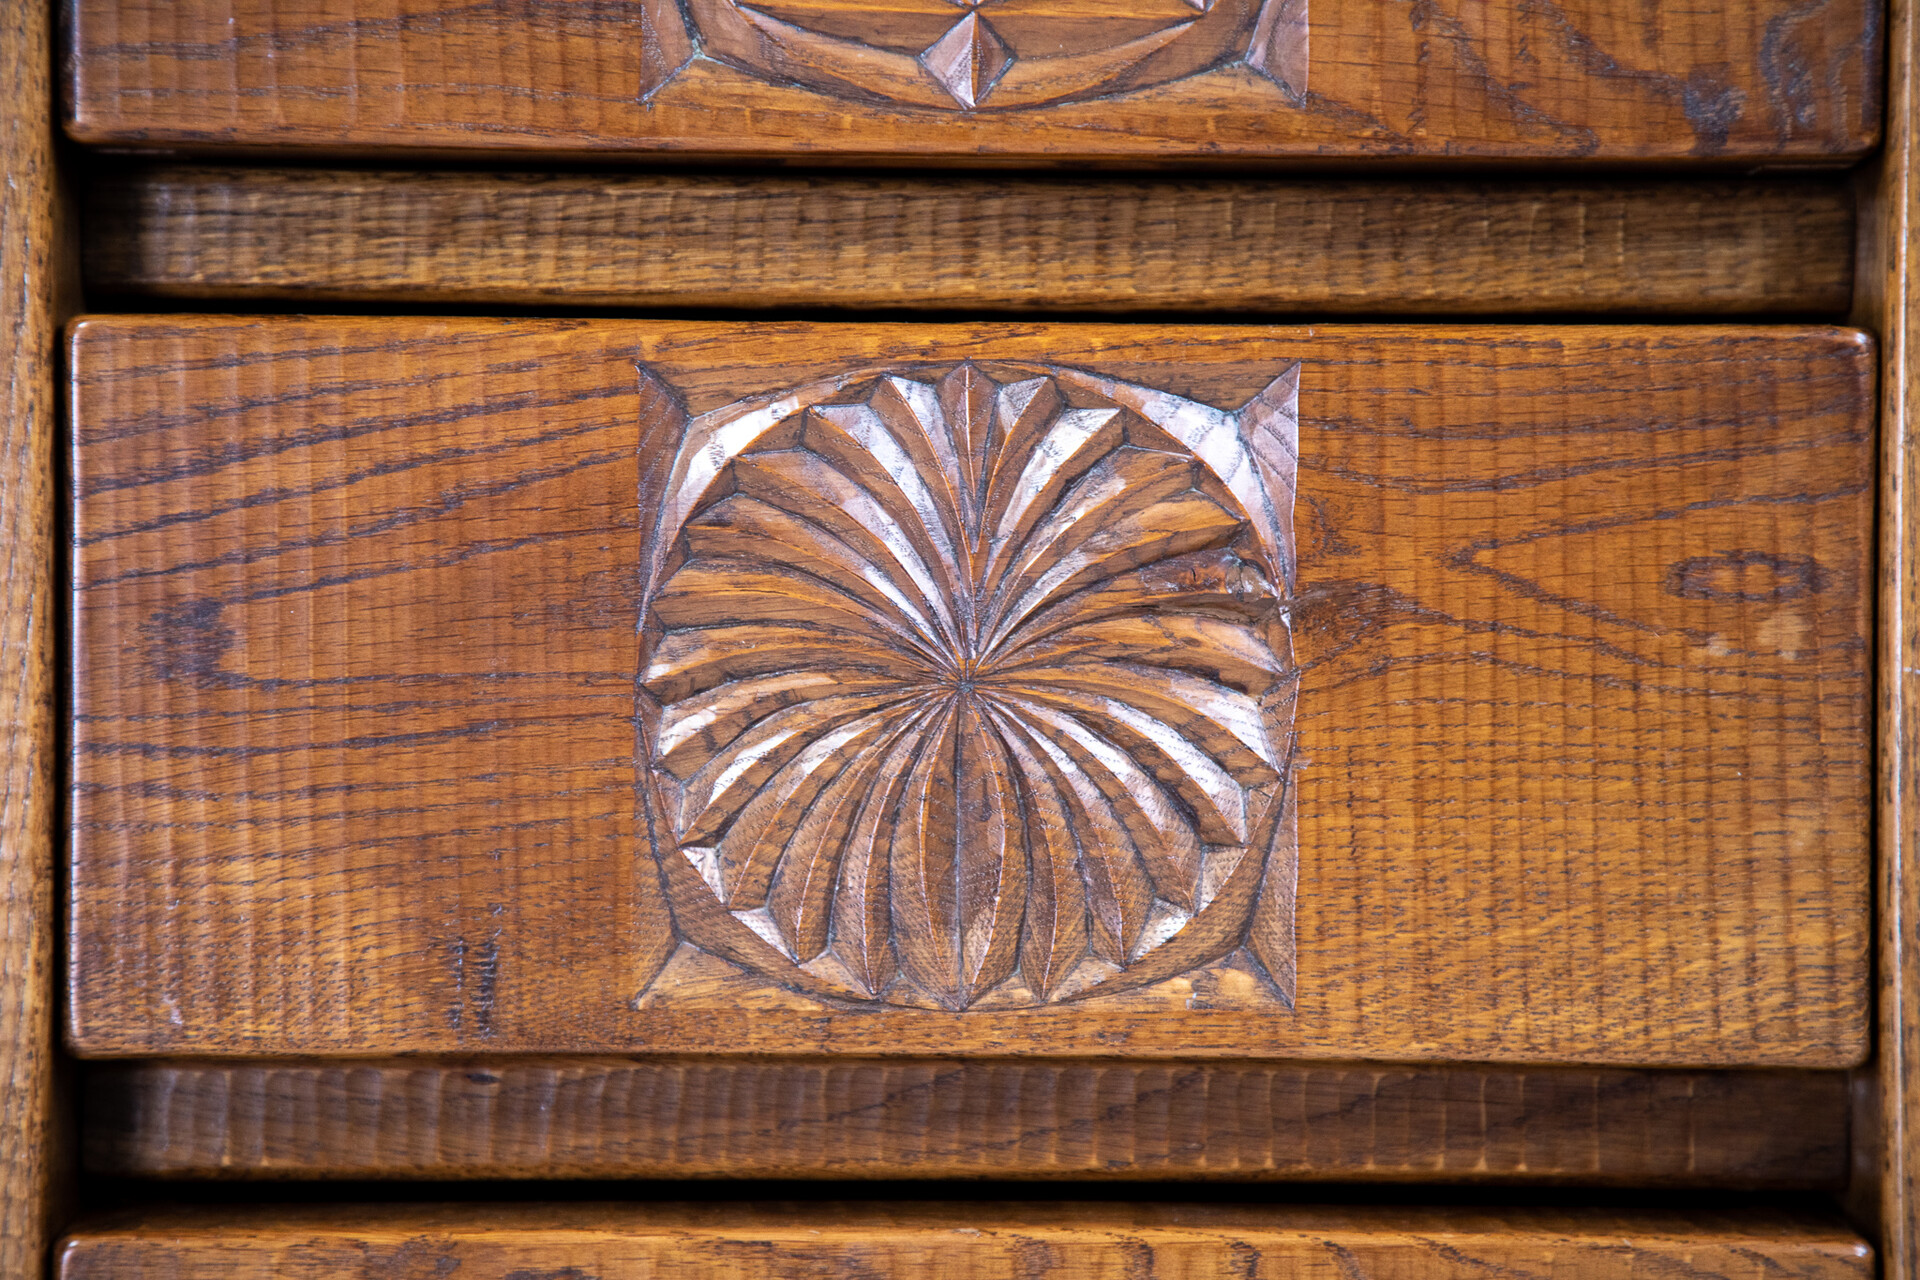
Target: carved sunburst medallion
[
  {"x": 972, "y": 684},
  {"x": 975, "y": 55}
]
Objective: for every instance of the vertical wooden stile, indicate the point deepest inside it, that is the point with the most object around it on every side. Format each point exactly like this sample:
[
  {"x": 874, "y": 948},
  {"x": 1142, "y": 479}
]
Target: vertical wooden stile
[
  {"x": 1887, "y": 300},
  {"x": 35, "y": 270}
]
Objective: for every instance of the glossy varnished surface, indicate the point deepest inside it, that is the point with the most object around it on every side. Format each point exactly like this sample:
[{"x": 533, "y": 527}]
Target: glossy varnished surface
[
  {"x": 1578, "y": 79},
  {"x": 1581, "y": 768},
  {"x": 1022, "y": 242},
  {"x": 841, "y": 1118},
  {"x": 1077, "y": 1241}
]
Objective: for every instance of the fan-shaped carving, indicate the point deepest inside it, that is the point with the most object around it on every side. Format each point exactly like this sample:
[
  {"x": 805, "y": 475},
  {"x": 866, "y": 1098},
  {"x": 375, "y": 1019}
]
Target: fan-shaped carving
[{"x": 972, "y": 680}]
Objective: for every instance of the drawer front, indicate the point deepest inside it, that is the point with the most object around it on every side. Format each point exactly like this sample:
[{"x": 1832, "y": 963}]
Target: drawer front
[
  {"x": 1187, "y": 79},
  {"x": 1387, "y": 692}
]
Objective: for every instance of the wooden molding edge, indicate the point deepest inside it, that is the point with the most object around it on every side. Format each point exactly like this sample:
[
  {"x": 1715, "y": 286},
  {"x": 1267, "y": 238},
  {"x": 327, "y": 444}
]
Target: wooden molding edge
[
  {"x": 851, "y": 1118},
  {"x": 909, "y": 1240},
  {"x": 1888, "y": 299},
  {"x": 37, "y": 270}
]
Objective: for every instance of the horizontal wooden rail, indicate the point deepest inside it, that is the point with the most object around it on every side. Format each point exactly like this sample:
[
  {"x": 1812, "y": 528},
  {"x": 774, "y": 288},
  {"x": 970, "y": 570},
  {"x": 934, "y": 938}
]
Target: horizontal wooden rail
[
  {"x": 983, "y": 243},
  {"x": 853, "y": 1118},
  {"x": 1243, "y": 81},
  {"x": 955, "y": 1241}
]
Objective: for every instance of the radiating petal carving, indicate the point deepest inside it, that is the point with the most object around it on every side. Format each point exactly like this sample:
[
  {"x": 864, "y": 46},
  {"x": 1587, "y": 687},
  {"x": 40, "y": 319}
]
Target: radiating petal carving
[{"x": 973, "y": 680}]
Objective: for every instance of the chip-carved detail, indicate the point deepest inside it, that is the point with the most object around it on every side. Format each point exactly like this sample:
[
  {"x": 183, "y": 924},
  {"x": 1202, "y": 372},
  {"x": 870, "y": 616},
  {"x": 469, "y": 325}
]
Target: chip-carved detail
[
  {"x": 975, "y": 55},
  {"x": 972, "y": 683}
]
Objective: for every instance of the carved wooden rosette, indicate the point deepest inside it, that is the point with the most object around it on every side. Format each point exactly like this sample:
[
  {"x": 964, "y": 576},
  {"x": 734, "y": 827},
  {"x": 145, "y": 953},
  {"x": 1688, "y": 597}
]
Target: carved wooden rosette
[
  {"x": 973, "y": 55},
  {"x": 971, "y": 684}
]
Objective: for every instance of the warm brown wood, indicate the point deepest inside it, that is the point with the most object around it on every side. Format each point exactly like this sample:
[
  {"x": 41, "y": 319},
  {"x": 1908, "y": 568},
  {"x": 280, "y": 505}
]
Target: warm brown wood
[
  {"x": 1331, "y": 247},
  {"x": 624, "y": 1118},
  {"x": 1890, "y": 302},
  {"x": 1148, "y": 79},
  {"x": 957, "y": 1241},
  {"x": 36, "y": 279},
  {"x": 1579, "y": 618}
]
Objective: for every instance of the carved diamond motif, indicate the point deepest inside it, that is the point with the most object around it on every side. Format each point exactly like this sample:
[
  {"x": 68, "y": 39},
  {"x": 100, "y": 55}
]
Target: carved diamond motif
[
  {"x": 968, "y": 59},
  {"x": 974, "y": 682}
]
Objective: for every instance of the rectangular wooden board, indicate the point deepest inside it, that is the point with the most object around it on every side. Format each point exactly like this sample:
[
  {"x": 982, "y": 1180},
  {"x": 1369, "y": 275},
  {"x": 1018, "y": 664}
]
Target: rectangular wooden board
[
  {"x": 917, "y": 1118},
  {"x": 1017, "y": 242},
  {"x": 1225, "y": 80},
  {"x": 1887, "y": 1192},
  {"x": 955, "y": 1241},
  {"x": 998, "y": 697}
]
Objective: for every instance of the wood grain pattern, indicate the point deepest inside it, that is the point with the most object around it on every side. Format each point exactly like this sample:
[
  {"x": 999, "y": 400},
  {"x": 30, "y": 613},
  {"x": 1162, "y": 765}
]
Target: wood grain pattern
[
  {"x": 1075, "y": 1241},
  {"x": 1579, "y": 618},
  {"x": 1141, "y": 80},
  {"x": 1890, "y": 302},
  {"x": 36, "y": 276},
  {"x": 840, "y": 1118},
  {"x": 1028, "y": 244}
]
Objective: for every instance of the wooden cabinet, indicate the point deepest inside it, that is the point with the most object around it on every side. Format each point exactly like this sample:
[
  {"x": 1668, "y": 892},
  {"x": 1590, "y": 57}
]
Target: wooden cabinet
[{"x": 1297, "y": 621}]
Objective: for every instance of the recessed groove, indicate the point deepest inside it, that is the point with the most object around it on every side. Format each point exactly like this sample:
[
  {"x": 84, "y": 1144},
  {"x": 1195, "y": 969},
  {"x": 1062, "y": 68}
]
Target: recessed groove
[
  {"x": 861, "y": 1118},
  {"x": 1110, "y": 248}
]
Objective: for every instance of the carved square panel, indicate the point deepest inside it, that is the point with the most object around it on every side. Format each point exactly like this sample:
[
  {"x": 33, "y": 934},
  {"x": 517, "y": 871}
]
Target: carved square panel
[
  {"x": 971, "y": 684},
  {"x": 606, "y": 686}
]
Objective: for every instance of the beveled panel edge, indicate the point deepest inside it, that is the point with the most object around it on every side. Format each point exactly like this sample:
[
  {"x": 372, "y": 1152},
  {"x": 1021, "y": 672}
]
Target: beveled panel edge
[
  {"x": 1726, "y": 246},
  {"x": 1084, "y": 1241},
  {"x": 601, "y": 1117}
]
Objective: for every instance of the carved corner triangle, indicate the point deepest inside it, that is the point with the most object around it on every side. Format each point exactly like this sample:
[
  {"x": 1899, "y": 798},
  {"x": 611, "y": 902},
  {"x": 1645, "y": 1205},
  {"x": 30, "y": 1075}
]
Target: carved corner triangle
[
  {"x": 666, "y": 45},
  {"x": 969, "y": 685},
  {"x": 1270, "y": 936},
  {"x": 1278, "y": 49}
]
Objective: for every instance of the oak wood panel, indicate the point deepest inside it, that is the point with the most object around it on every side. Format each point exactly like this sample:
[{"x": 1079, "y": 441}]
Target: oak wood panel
[
  {"x": 1581, "y": 768},
  {"x": 622, "y": 1118},
  {"x": 1889, "y": 301},
  {"x": 36, "y": 277},
  {"x": 1080, "y": 1241},
  {"x": 1345, "y": 247},
  {"x": 1237, "y": 79}
]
